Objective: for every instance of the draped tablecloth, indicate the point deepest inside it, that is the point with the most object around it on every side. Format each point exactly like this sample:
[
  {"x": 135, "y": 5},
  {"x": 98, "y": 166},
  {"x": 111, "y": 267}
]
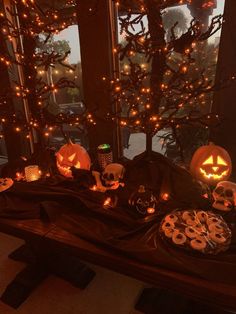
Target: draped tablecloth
[{"x": 120, "y": 229}]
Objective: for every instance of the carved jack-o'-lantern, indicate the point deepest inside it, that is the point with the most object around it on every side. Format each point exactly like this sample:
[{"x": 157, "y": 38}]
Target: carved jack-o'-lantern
[
  {"x": 72, "y": 155},
  {"x": 211, "y": 164}
]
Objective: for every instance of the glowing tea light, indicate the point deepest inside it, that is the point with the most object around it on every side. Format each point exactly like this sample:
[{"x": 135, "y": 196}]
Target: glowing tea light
[
  {"x": 110, "y": 202},
  {"x": 32, "y": 173},
  {"x": 19, "y": 176},
  {"x": 165, "y": 196},
  {"x": 107, "y": 202},
  {"x": 93, "y": 188},
  {"x": 151, "y": 210}
]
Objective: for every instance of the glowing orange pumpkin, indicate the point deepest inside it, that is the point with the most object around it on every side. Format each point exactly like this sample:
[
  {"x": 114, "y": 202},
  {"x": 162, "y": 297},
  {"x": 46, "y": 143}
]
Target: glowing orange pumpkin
[
  {"x": 72, "y": 155},
  {"x": 211, "y": 164}
]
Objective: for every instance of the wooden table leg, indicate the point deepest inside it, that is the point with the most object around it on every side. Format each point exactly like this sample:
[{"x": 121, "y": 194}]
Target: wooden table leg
[
  {"x": 72, "y": 270},
  {"x": 23, "y": 284},
  {"x": 161, "y": 301},
  {"x": 157, "y": 300},
  {"x": 42, "y": 261},
  {"x": 23, "y": 254}
]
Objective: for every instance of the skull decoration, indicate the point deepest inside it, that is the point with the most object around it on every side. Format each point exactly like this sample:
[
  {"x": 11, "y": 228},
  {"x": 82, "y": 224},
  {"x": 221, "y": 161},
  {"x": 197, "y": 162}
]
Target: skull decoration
[
  {"x": 211, "y": 164},
  {"x": 112, "y": 175},
  {"x": 224, "y": 196},
  {"x": 72, "y": 155}
]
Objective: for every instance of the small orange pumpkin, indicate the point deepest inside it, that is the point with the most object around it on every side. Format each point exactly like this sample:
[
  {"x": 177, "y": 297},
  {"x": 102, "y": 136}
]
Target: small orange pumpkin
[
  {"x": 211, "y": 164},
  {"x": 72, "y": 155}
]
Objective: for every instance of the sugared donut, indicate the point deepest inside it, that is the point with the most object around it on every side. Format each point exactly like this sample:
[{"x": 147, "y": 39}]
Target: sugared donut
[
  {"x": 202, "y": 216},
  {"x": 199, "y": 243},
  {"x": 167, "y": 225},
  {"x": 191, "y": 221},
  {"x": 199, "y": 227},
  {"x": 203, "y": 234},
  {"x": 217, "y": 237},
  {"x": 190, "y": 232},
  {"x": 214, "y": 220},
  {"x": 187, "y": 215},
  {"x": 178, "y": 237},
  {"x": 171, "y": 218},
  {"x": 169, "y": 232},
  {"x": 216, "y": 227}
]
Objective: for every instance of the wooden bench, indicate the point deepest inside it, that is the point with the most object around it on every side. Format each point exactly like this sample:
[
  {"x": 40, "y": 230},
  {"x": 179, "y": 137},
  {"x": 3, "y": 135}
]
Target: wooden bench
[{"x": 58, "y": 251}]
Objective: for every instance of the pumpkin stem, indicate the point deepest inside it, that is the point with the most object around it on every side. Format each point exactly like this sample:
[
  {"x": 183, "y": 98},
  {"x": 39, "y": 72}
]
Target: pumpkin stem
[
  {"x": 69, "y": 141},
  {"x": 66, "y": 136},
  {"x": 141, "y": 189},
  {"x": 211, "y": 143}
]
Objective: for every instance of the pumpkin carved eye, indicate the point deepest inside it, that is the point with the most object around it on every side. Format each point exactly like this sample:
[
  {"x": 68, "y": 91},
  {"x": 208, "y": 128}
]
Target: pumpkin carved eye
[
  {"x": 77, "y": 166},
  {"x": 71, "y": 158},
  {"x": 221, "y": 161},
  {"x": 208, "y": 161},
  {"x": 60, "y": 157}
]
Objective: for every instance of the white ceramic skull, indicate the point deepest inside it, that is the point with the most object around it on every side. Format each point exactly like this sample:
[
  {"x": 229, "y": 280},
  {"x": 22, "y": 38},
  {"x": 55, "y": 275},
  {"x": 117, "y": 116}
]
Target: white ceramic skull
[
  {"x": 224, "y": 196},
  {"x": 112, "y": 175}
]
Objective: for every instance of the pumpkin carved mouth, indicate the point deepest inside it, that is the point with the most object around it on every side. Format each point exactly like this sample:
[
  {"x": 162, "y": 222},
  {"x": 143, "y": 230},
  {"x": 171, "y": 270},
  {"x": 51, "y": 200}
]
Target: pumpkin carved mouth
[
  {"x": 214, "y": 176},
  {"x": 64, "y": 169}
]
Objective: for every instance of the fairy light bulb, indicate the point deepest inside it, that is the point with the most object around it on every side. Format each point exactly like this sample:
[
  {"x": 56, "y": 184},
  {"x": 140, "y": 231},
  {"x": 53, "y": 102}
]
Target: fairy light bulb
[
  {"x": 165, "y": 196},
  {"x": 93, "y": 188},
  {"x": 118, "y": 88},
  {"x": 107, "y": 201},
  {"x": 134, "y": 112}
]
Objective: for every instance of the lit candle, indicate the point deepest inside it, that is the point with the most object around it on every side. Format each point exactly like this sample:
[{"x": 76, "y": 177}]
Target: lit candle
[
  {"x": 107, "y": 203},
  {"x": 165, "y": 196},
  {"x": 151, "y": 210},
  {"x": 32, "y": 173}
]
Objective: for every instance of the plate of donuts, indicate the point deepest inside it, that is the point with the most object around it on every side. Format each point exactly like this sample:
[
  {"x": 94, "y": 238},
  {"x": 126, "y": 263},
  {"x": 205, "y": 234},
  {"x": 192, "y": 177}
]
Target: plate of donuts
[{"x": 196, "y": 230}]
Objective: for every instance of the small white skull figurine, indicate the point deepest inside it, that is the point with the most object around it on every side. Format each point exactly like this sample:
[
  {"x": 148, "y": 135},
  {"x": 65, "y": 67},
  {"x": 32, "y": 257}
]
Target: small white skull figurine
[
  {"x": 224, "y": 196},
  {"x": 112, "y": 175}
]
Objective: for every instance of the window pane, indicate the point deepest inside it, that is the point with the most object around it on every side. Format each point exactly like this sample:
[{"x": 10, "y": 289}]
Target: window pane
[
  {"x": 69, "y": 100},
  {"x": 205, "y": 55}
]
